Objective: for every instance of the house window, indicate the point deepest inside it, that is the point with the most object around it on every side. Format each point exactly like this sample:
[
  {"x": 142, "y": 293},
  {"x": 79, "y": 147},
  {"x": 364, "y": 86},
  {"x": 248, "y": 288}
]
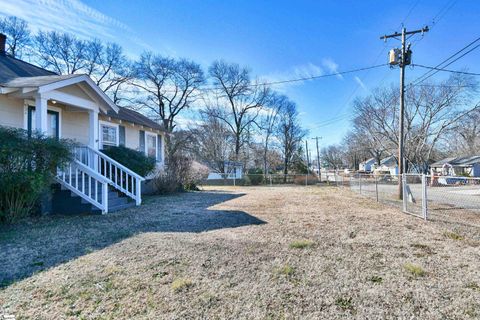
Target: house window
[
  {"x": 53, "y": 122},
  {"x": 151, "y": 145},
  {"x": 109, "y": 134}
]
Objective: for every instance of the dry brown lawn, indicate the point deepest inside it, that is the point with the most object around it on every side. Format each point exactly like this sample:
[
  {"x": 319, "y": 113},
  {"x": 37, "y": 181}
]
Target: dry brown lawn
[{"x": 242, "y": 253}]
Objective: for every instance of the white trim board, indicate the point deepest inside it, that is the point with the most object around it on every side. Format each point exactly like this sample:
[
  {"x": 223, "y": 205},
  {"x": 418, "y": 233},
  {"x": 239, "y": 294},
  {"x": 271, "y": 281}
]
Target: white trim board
[{"x": 100, "y": 132}]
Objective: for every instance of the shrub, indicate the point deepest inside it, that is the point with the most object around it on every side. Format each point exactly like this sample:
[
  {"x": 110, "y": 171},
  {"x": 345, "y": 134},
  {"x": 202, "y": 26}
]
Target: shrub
[
  {"x": 27, "y": 167},
  {"x": 300, "y": 180},
  {"x": 180, "y": 174},
  {"x": 255, "y": 179},
  {"x": 134, "y": 160}
]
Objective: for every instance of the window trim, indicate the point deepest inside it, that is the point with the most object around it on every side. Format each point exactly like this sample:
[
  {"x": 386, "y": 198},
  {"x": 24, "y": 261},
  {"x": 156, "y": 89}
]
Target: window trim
[
  {"x": 117, "y": 133},
  {"x": 146, "y": 143},
  {"x": 29, "y": 104}
]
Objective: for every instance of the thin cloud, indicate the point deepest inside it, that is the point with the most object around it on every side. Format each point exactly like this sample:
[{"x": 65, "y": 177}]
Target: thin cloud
[
  {"x": 360, "y": 83},
  {"x": 331, "y": 66},
  {"x": 71, "y": 16},
  {"x": 295, "y": 72}
]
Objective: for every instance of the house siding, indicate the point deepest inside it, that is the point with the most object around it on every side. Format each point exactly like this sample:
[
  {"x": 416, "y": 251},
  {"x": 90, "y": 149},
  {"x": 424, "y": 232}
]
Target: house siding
[
  {"x": 131, "y": 138},
  {"x": 75, "y": 125},
  {"x": 11, "y": 112}
]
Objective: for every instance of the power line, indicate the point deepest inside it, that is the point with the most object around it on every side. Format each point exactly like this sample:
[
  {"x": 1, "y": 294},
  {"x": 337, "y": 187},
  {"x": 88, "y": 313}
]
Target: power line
[
  {"x": 446, "y": 70},
  {"x": 444, "y": 63},
  {"x": 440, "y": 15}
]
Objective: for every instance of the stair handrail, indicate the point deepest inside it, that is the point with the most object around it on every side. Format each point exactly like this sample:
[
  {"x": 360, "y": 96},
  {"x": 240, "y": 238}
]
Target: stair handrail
[
  {"x": 123, "y": 186},
  {"x": 61, "y": 177}
]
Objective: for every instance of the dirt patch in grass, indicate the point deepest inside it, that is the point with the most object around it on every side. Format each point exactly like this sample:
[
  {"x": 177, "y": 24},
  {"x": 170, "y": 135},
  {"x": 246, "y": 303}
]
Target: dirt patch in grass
[{"x": 241, "y": 253}]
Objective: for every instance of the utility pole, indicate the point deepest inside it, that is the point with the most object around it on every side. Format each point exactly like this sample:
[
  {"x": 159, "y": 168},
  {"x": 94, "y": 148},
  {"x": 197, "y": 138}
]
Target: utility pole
[
  {"x": 318, "y": 159},
  {"x": 306, "y": 150},
  {"x": 401, "y": 57}
]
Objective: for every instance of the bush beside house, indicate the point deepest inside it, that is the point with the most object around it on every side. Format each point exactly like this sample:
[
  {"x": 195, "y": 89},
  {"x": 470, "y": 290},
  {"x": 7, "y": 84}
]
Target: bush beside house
[
  {"x": 27, "y": 168},
  {"x": 136, "y": 161}
]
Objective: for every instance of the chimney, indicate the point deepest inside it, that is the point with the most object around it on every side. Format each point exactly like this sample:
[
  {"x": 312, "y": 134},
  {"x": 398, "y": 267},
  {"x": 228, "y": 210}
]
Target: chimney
[{"x": 3, "y": 39}]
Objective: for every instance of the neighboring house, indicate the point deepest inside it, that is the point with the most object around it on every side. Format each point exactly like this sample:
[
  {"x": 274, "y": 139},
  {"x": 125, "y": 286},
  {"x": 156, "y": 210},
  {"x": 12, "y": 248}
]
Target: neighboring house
[
  {"x": 460, "y": 166},
  {"x": 232, "y": 170},
  {"x": 74, "y": 107},
  {"x": 366, "y": 165},
  {"x": 387, "y": 164}
]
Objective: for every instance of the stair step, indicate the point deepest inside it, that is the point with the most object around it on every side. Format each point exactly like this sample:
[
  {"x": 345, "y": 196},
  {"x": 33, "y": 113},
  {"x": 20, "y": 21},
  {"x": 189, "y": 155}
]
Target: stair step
[{"x": 121, "y": 207}]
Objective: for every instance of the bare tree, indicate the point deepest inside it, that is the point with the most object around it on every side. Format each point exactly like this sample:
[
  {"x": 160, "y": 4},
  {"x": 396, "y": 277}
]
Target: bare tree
[
  {"x": 268, "y": 124},
  {"x": 213, "y": 143},
  {"x": 66, "y": 54},
  {"x": 289, "y": 133},
  {"x": 167, "y": 87},
  {"x": 464, "y": 138},
  {"x": 18, "y": 35},
  {"x": 333, "y": 155},
  {"x": 237, "y": 101},
  {"x": 431, "y": 111},
  {"x": 61, "y": 52}
]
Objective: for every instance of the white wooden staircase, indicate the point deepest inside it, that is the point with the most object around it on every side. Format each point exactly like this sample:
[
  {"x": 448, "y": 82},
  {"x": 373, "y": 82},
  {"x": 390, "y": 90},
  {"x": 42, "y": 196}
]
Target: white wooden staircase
[{"x": 99, "y": 181}]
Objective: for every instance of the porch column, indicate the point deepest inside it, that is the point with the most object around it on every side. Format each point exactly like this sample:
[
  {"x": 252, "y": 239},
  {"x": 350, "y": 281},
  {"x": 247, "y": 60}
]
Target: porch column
[
  {"x": 93, "y": 129},
  {"x": 41, "y": 114},
  {"x": 93, "y": 138}
]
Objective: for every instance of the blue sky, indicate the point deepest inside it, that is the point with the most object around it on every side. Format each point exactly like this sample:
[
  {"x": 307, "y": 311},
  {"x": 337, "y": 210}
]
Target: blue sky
[{"x": 278, "y": 40}]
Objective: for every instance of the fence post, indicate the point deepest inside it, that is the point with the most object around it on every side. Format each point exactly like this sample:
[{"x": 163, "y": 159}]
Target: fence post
[
  {"x": 424, "y": 197},
  {"x": 376, "y": 186},
  {"x": 404, "y": 187},
  {"x": 360, "y": 182}
]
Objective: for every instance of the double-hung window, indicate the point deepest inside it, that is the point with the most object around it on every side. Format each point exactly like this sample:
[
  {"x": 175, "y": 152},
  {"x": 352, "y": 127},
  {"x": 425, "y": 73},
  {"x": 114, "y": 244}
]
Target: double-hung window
[
  {"x": 108, "y": 134},
  {"x": 151, "y": 145}
]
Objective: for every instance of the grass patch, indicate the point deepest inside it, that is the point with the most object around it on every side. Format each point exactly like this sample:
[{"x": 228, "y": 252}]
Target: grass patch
[
  {"x": 452, "y": 235},
  {"x": 473, "y": 286},
  {"x": 301, "y": 244},
  {"x": 181, "y": 284},
  {"x": 344, "y": 303},
  {"x": 415, "y": 270},
  {"x": 286, "y": 270},
  {"x": 376, "y": 279}
]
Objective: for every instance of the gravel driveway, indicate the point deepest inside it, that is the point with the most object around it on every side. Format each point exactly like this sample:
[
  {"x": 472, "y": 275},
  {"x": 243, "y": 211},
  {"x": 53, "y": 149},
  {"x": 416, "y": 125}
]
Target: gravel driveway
[{"x": 243, "y": 253}]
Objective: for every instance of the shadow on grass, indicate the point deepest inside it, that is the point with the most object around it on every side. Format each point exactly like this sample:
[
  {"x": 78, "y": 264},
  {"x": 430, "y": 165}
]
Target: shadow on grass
[{"x": 35, "y": 245}]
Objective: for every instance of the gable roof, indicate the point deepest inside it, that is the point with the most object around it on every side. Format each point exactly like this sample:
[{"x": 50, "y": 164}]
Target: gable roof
[
  {"x": 459, "y": 161},
  {"x": 11, "y": 68},
  {"x": 368, "y": 161},
  {"x": 16, "y": 74},
  {"x": 389, "y": 161},
  {"x": 132, "y": 116}
]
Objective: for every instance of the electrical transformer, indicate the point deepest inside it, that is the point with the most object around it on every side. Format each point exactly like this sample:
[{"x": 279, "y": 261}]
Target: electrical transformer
[
  {"x": 408, "y": 57},
  {"x": 394, "y": 56}
]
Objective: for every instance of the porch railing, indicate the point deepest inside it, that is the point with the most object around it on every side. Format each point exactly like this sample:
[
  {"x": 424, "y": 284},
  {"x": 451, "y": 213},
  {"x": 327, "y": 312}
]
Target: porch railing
[
  {"x": 119, "y": 176},
  {"x": 85, "y": 183}
]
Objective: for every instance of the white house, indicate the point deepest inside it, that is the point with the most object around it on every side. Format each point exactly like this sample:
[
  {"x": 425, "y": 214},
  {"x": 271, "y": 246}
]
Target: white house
[
  {"x": 459, "y": 166},
  {"x": 366, "y": 165},
  {"x": 74, "y": 107},
  {"x": 387, "y": 164},
  {"x": 232, "y": 170}
]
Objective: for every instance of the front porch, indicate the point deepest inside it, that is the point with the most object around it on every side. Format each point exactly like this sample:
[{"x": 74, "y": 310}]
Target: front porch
[{"x": 68, "y": 107}]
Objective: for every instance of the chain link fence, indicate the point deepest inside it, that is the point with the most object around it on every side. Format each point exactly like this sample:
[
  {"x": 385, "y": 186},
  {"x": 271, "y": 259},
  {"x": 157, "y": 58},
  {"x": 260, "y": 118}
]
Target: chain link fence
[
  {"x": 449, "y": 199},
  {"x": 264, "y": 180},
  {"x": 453, "y": 199}
]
